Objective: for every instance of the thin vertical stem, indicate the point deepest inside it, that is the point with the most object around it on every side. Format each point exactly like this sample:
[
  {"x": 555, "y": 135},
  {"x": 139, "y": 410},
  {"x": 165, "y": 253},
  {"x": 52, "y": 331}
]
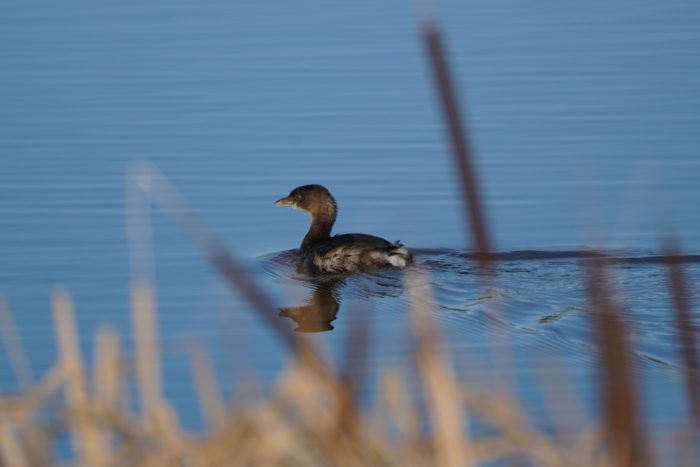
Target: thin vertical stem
[
  {"x": 13, "y": 345},
  {"x": 681, "y": 306},
  {"x": 458, "y": 136},
  {"x": 618, "y": 390},
  {"x": 147, "y": 359},
  {"x": 453, "y": 446},
  {"x": 85, "y": 435},
  {"x": 210, "y": 400}
]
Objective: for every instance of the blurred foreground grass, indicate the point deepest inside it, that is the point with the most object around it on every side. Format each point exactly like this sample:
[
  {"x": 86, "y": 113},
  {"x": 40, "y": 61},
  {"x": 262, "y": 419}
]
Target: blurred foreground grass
[{"x": 311, "y": 418}]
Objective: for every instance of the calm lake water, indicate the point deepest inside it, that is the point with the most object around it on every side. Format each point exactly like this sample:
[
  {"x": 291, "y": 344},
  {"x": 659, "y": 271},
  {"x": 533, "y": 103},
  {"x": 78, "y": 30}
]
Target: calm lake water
[{"x": 585, "y": 120}]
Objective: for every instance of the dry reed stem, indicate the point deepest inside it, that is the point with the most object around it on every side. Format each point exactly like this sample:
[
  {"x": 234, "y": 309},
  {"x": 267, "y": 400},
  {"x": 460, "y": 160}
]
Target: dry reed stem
[
  {"x": 476, "y": 222},
  {"x": 13, "y": 344},
  {"x": 210, "y": 400},
  {"x": 107, "y": 371},
  {"x": 452, "y": 444},
  {"x": 393, "y": 404},
  {"x": 458, "y": 136},
  {"x": 11, "y": 452},
  {"x": 20, "y": 410},
  {"x": 157, "y": 414},
  {"x": 147, "y": 352},
  {"x": 678, "y": 285},
  {"x": 618, "y": 388},
  {"x": 86, "y": 437}
]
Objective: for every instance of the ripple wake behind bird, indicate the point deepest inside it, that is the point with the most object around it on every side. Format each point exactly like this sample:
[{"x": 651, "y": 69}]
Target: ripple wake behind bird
[{"x": 539, "y": 297}]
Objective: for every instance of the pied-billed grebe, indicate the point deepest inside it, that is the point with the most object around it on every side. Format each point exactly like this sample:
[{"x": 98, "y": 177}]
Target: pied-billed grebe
[{"x": 321, "y": 253}]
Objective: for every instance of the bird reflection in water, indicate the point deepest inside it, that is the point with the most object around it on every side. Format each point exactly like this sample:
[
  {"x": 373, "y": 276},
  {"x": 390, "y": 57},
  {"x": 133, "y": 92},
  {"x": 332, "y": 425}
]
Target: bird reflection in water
[{"x": 320, "y": 311}]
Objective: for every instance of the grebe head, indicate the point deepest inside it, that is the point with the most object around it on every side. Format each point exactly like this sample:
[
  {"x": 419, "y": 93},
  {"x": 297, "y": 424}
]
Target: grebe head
[{"x": 314, "y": 199}]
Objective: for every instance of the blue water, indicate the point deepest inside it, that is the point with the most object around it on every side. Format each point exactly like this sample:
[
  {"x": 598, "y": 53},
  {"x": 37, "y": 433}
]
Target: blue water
[{"x": 584, "y": 119}]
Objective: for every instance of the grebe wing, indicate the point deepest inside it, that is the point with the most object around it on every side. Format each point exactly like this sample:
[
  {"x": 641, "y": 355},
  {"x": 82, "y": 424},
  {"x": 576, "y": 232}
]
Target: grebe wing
[{"x": 358, "y": 242}]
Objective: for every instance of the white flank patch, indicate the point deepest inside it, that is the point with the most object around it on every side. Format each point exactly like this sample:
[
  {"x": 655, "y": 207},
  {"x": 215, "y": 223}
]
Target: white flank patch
[
  {"x": 397, "y": 260},
  {"x": 398, "y": 257}
]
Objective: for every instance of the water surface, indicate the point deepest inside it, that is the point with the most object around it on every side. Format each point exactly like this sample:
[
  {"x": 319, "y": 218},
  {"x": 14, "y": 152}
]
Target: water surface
[{"x": 585, "y": 121}]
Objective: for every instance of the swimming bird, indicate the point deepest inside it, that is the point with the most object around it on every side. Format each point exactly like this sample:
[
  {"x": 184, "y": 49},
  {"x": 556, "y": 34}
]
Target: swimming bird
[{"x": 321, "y": 253}]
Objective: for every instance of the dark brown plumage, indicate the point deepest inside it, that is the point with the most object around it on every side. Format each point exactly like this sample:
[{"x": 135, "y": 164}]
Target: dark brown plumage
[{"x": 321, "y": 253}]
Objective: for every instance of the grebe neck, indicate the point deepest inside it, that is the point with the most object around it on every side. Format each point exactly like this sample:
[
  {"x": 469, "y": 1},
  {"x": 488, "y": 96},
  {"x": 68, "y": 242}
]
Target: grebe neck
[{"x": 320, "y": 230}]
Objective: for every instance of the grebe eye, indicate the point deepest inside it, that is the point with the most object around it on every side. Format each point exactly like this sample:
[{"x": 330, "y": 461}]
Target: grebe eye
[{"x": 297, "y": 198}]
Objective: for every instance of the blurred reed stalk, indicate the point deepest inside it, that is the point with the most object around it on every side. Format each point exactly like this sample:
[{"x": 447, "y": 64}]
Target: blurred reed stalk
[
  {"x": 88, "y": 442},
  {"x": 449, "y": 419},
  {"x": 13, "y": 343},
  {"x": 457, "y": 134},
  {"x": 678, "y": 286},
  {"x": 618, "y": 388},
  {"x": 475, "y": 218}
]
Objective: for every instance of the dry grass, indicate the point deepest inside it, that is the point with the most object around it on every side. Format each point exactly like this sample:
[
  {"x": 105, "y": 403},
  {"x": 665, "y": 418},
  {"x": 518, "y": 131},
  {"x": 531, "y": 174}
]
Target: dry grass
[
  {"x": 310, "y": 419},
  {"x": 306, "y": 421}
]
